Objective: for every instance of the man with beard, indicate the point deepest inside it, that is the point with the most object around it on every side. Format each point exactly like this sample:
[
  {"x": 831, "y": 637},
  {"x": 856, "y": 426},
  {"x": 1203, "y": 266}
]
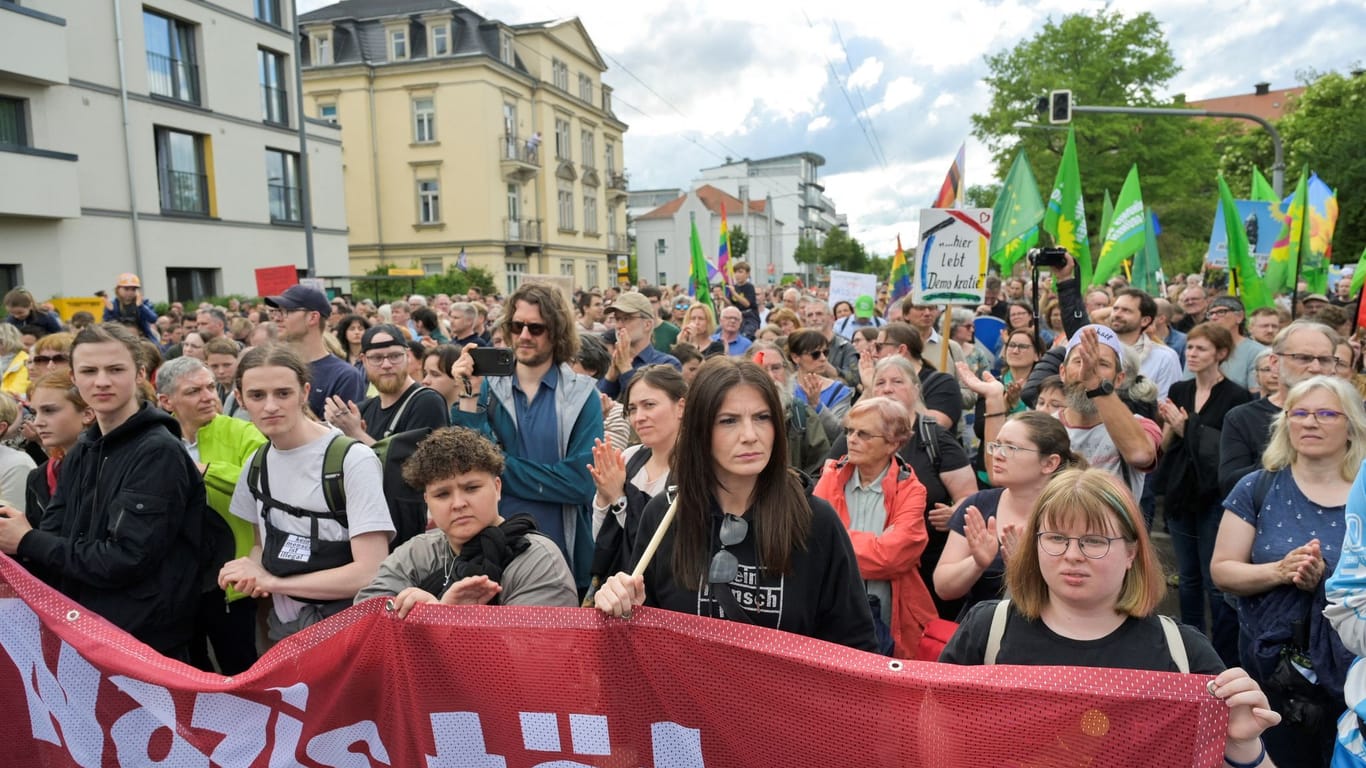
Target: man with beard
[
  {"x": 1301, "y": 350},
  {"x": 402, "y": 404},
  {"x": 1131, "y": 317},
  {"x": 1101, "y": 426},
  {"x": 545, "y": 417}
]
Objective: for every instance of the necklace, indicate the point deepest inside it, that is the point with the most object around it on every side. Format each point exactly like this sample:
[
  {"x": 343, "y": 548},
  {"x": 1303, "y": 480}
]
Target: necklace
[{"x": 448, "y": 569}]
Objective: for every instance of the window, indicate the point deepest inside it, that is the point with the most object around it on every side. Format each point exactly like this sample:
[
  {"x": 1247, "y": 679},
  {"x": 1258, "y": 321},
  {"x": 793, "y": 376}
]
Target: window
[
  {"x": 560, "y": 73},
  {"x": 592, "y": 277},
  {"x": 510, "y": 120},
  {"x": 433, "y": 266},
  {"x": 428, "y": 202},
  {"x": 268, "y": 11},
  {"x": 567, "y": 268},
  {"x": 188, "y": 285},
  {"x": 606, "y": 99},
  {"x": 507, "y": 54},
  {"x": 328, "y": 112},
  {"x": 586, "y": 148},
  {"x": 566, "y": 206},
  {"x": 586, "y": 88},
  {"x": 514, "y": 213},
  {"x": 274, "y": 98},
  {"x": 9, "y": 277},
  {"x": 609, "y": 155},
  {"x": 282, "y": 184},
  {"x": 13, "y": 122},
  {"x": 590, "y": 214},
  {"x": 611, "y": 219},
  {"x": 172, "y": 71},
  {"x": 181, "y": 174},
  {"x": 562, "y": 140},
  {"x": 441, "y": 39},
  {"x": 424, "y": 121},
  {"x": 398, "y": 44},
  {"x": 516, "y": 271},
  {"x": 322, "y": 50}
]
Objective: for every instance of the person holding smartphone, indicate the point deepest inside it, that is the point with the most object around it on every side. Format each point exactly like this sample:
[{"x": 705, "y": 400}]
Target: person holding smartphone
[
  {"x": 131, "y": 308},
  {"x": 545, "y": 417}
]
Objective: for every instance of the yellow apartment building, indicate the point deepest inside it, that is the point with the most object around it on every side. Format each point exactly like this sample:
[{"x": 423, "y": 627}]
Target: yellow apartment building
[{"x": 467, "y": 135}]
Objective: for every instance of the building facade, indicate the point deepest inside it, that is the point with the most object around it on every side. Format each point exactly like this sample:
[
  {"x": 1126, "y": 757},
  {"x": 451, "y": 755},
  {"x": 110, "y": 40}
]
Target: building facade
[
  {"x": 791, "y": 187},
  {"x": 664, "y": 236},
  {"x": 179, "y": 161},
  {"x": 467, "y": 136}
]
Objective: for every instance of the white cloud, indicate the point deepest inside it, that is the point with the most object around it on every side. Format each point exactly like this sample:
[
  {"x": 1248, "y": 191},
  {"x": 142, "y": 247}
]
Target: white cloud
[
  {"x": 821, "y": 122},
  {"x": 868, "y": 74},
  {"x": 901, "y": 91}
]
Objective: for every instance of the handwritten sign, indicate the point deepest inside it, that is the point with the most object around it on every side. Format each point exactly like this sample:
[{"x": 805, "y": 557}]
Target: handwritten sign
[
  {"x": 848, "y": 286},
  {"x": 951, "y": 262},
  {"x": 272, "y": 281}
]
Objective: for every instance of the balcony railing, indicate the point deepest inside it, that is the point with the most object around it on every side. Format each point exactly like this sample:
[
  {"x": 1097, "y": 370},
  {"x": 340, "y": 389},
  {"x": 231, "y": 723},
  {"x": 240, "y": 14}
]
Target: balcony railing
[
  {"x": 274, "y": 105},
  {"x": 511, "y": 148},
  {"x": 284, "y": 203},
  {"x": 522, "y": 231},
  {"x": 615, "y": 242},
  {"x": 172, "y": 78},
  {"x": 184, "y": 191},
  {"x": 616, "y": 181}
]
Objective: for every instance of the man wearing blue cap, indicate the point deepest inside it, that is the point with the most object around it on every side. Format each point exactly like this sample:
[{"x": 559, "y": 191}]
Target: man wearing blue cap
[
  {"x": 301, "y": 313},
  {"x": 1101, "y": 426}
]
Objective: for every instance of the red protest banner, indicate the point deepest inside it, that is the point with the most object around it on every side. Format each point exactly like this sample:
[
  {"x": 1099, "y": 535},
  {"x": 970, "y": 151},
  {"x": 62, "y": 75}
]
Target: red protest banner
[
  {"x": 272, "y": 281},
  {"x": 496, "y": 687}
]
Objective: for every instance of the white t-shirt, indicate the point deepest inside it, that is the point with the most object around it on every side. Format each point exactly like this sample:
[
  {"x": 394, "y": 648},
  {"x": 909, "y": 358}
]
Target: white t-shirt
[{"x": 296, "y": 479}]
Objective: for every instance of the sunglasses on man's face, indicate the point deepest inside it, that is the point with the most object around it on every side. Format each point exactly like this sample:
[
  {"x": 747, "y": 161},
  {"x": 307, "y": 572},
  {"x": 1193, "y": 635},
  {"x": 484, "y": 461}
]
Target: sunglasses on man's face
[{"x": 536, "y": 329}]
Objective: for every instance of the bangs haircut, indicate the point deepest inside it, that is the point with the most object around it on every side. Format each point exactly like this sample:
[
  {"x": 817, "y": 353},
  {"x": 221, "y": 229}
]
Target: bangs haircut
[{"x": 1095, "y": 501}]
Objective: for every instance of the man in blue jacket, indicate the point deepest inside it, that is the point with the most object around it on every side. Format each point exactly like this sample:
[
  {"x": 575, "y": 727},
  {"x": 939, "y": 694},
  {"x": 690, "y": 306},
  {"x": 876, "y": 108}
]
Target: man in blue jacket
[
  {"x": 131, "y": 309},
  {"x": 545, "y": 417}
]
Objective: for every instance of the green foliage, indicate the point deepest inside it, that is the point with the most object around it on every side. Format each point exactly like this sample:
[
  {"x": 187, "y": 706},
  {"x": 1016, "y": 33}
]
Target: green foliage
[
  {"x": 843, "y": 252},
  {"x": 739, "y": 243},
  {"x": 1322, "y": 128},
  {"x": 807, "y": 252},
  {"x": 1107, "y": 59},
  {"x": 162, "y": 307},
  {"x": 452, "y": 282},
  {"x": 982, "y": 195}
]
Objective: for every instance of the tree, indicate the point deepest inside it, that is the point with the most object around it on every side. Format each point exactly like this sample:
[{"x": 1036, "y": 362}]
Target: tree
[
  {"x": 1321, "y": 129},
  {"x": 807, "y": 252},
  {"x": 739, "y": 243},
  {"x": 843, "y": 252},
  {"x": 982, "y": 195},
  {"x": 1107, "y": 59},
  {"x": 452, "y": 282}
]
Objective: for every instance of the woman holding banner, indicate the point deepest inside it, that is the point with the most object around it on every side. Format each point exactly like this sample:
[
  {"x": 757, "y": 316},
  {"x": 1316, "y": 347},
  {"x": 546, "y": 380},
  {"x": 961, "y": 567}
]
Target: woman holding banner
[
  {"x": 1084, "y": 588},
  {"x": 740, "y": 537}
]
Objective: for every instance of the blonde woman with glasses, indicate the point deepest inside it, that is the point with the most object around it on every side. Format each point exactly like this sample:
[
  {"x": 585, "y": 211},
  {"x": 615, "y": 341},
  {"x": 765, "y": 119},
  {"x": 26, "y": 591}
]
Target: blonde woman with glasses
[{"x": 1282, "y": 530}]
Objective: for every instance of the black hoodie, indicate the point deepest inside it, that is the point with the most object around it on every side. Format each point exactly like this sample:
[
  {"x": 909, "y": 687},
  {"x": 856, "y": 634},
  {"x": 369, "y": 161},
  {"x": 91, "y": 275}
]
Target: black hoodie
[
  {"x": 822, "y": 597},
  {"x": 124, "y": 533}
]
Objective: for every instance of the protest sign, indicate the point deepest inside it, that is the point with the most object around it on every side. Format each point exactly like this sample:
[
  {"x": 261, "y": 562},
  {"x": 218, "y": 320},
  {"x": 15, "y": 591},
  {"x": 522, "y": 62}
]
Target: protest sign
[
  {"x": 848, "y": 286},
  {"x": 951, "y": 262}
]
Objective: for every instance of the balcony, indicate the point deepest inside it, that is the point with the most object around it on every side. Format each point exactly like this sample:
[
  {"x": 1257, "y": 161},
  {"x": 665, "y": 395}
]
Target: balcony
[
  {"x": 39, "y": 184},
  {"x": 520, "y": 160},
  {"x": 616, "y": 243},
  {"x": 522, "y": 231},
  {"x": 32, "y": 45},
  {"x": 616, "y": 185},
  {"x": 172, "y": 78}
]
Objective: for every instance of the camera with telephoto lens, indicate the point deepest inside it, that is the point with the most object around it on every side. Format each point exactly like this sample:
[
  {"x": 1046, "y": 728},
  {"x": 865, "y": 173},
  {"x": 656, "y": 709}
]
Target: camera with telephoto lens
[{"x": 1054, "y": 258}]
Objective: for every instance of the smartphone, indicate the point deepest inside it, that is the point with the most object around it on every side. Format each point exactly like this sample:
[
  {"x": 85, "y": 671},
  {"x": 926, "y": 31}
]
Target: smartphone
[{"x": 492, "y": 361}]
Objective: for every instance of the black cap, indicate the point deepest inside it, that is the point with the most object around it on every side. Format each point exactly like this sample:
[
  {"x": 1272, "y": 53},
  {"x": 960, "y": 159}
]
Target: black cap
[
  {"x": 396, "y": 338},
  {"x": 301, "y": 297}
]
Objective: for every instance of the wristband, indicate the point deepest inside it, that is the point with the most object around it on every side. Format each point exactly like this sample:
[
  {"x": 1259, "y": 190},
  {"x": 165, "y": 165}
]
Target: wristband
[
  {"x": 994, "y": 415},
  {"x": 617, "y": 506},
  {"x": 469, "y": 391},
  {"x": 1256, "y": 762}
]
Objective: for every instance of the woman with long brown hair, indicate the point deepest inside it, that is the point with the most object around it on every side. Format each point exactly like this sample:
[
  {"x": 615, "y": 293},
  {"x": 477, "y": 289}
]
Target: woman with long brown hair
[{"x": 747, "y": 542}]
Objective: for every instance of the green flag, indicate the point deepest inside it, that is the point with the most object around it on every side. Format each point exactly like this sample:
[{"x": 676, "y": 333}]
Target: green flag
[
  {"x": 1285, "y": 252},
  {"x": 1358, "y": 276},
  {"x": 1147, "y": 272},
  {"x": 698, "y": 284},
  {"x": 1241, "y": 265},
  {"x": 1262, "y": 189},
  {"x": 1107, "y": 212},
  {"x": 1015, "y": 219},
  {"x": 1065, "y": 218},
  {"x": 1124, "y": 238}
]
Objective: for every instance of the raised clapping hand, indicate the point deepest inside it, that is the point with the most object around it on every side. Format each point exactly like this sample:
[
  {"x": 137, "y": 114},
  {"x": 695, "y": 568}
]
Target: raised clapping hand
[
  {"x": 985, "y": 385},
  {"x": 1173, "y": 416},
  {"x": 472, "y": 590},
  {"x": 609, "y": 472},
  {"x": 343, "y": 415},
  {"x": 1249, "y": 713},
  {"x": 1089, "y": 349},
  {"x": 866, "y": 364},
  {"x": 619, "y": 594},
  {"x": 1303, "y": 566},
  {"x": 983, "y": 542}
]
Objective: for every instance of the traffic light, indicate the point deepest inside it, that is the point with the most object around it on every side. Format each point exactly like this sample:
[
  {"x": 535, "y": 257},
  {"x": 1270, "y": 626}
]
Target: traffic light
[{"x": 1060, "y": 107}]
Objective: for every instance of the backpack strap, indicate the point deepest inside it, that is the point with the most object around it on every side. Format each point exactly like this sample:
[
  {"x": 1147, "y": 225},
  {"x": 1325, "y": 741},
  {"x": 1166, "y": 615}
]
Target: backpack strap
[
  {"x": 402, "y": 406},
  {"x": 638, "y": 460},
  {"x": 929, "y": 438},
  {"x": 1175, "y": 645},
  {"x": 334, "y": 473},
  {"x": 997, "y": 631}
]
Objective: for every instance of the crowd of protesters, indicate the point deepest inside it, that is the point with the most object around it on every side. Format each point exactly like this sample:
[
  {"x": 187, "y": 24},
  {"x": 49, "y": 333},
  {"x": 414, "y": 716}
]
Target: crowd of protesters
[{"x": 867, "y": 471}]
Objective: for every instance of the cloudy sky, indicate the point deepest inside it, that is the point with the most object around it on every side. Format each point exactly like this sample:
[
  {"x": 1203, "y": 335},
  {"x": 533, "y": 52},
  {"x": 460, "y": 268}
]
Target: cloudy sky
[{"x": 698, "y": 81}]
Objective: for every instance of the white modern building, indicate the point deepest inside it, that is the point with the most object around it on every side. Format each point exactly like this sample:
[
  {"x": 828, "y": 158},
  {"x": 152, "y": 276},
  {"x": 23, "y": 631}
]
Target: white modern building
[
  {"x": 664, "y": 236},
  {"x": 789, "y": 185},
  {"x": 159, "y": 138}
]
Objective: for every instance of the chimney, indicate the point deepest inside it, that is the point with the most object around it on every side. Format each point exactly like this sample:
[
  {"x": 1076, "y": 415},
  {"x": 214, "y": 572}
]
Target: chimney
[{"x": 1262, "y": 88}]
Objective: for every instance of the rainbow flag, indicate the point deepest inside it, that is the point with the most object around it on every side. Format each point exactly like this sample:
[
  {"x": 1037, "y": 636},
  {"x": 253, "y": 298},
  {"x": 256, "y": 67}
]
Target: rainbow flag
[
  {"x": 951, "y": 192},
  {"x": 723, "y": 254},
  {"x": 1322, "y": 220},
  {"x": 901, "y": 273}
]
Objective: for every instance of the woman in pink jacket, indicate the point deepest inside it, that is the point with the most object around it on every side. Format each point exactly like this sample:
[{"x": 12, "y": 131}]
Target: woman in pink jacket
[{"x": 882, "y": 505}]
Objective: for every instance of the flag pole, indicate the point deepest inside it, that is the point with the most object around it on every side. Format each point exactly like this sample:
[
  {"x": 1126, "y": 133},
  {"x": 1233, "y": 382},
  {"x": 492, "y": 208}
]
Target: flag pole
[{"x": 1295, "y": 286}]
